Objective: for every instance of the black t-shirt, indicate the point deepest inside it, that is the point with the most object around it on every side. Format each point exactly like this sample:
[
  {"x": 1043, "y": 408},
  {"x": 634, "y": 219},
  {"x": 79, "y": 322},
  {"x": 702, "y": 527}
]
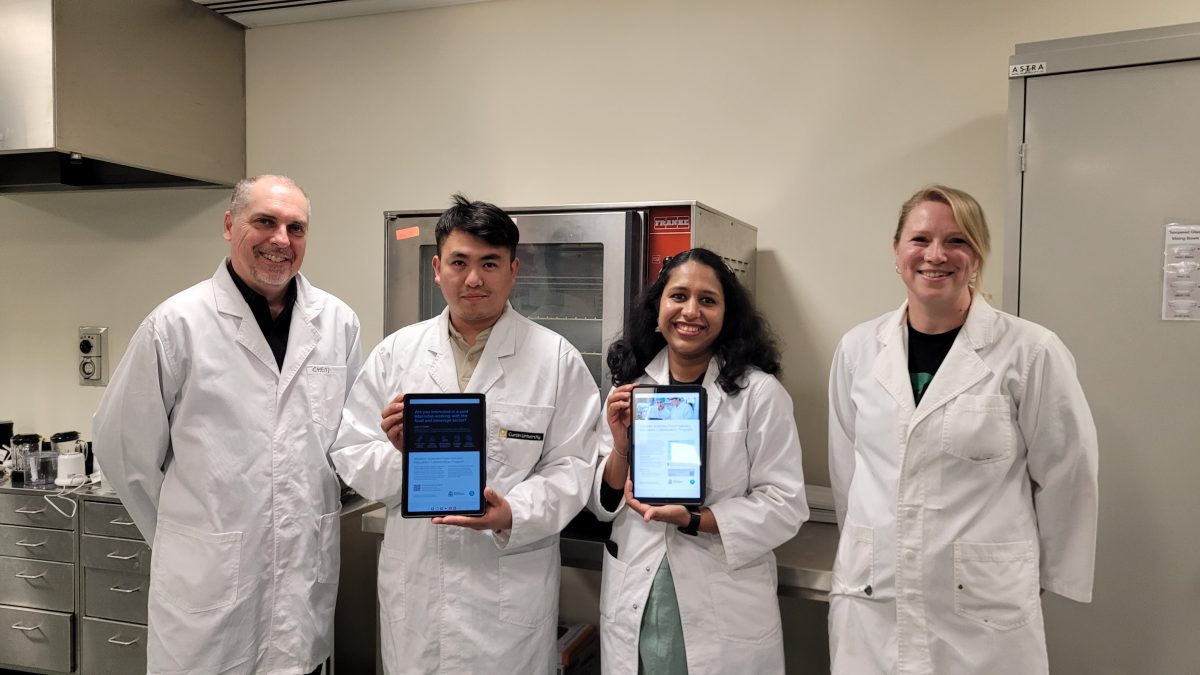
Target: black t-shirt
[
  {"x": 276, "y": 329},
  {"x": 925, "y": 355}
]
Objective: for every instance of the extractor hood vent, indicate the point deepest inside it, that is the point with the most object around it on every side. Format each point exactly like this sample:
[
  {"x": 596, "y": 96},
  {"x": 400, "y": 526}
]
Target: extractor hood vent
[
  {"x": 60, "y": 171},
  {"x": 255, "y": 13},
  {"x": 119, "y": 94}
]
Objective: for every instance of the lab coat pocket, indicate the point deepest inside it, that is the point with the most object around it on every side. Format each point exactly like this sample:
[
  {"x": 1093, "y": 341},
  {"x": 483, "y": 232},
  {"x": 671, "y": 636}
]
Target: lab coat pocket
[
  {"x": 516, "y": 433},
  {"x": 978, "y": 429},
  {"x": 326, "y": 387},
  {"x": 529, "y": 586},
  {"x": 746, "y": 604},
  {"x": 728, "y": 468},
  {"x": 854, "y": 565},
  {"x": 392, "y": 599},
  {"x": 612, "y": 581},
  {"x": 194, "y": 570},
  {"x": 996, "y": 584},
  {"x": 328, "y": 553}
]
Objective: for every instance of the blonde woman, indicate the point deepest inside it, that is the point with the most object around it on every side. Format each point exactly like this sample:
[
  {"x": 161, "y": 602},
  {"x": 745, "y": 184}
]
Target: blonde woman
[{"x": 963, "y": 460}]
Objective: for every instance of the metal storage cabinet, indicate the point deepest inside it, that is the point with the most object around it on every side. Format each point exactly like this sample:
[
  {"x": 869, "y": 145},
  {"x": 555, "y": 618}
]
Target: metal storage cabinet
[
  {"x": 37, "y": 582},
  {"x": 1104, "y": 152},
  {"x": 115, "y": 564}
]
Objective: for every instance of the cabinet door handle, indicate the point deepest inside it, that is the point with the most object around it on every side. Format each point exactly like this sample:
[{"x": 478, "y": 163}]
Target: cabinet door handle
[
  {"x": 29, "y": 545},
  {"x": 31, "y": 513},
  {"x": 118, "y": 521},
  {"x": 19, "y": 626},
  {"x": 22, "y": 575},
  {"x": 118, "y": 589},
  {"x": 124, "y": 643},
  {"x": 114, "y": 556}
]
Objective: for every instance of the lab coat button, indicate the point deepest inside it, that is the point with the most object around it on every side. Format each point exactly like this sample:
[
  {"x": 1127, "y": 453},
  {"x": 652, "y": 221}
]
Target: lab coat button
[
  {"x": 647, "y": 568},
  {"x": 867, "y": 590},
  {"x": 635, "y": 606}
]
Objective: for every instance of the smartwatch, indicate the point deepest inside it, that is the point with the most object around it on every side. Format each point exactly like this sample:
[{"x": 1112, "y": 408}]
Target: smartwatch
[{"x": 693, "y": 525}]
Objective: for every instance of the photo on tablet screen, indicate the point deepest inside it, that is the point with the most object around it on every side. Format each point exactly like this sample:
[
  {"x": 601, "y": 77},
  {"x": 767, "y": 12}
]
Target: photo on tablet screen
[
  {"x": 668, "y": 444},
  {"x": 444, "y": 460}
]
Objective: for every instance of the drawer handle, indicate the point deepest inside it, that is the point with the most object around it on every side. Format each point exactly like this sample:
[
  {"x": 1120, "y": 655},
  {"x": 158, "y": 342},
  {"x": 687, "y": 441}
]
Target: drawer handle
[
  {"x": 118, "y": 589},
  {"x": 29, "y": 545},
  {"x": 31, "y": 513},
  {"x": 26, "y": 629},
  {"x": 22, "y": 575},
  {"x": 114, "y": 556},
  {"x": 118, "y": 521},
  {"x": 124, "y": 643}
]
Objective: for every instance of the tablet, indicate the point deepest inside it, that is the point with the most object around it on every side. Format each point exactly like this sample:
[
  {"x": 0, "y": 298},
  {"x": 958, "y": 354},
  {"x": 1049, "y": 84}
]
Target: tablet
[
  {"x": 668, "y": 443},
  {"x": 445, "y": 461}
]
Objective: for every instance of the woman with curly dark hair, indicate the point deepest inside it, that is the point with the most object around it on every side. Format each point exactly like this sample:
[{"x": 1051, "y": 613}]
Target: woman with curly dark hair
[{"x": 695, "y": 591}]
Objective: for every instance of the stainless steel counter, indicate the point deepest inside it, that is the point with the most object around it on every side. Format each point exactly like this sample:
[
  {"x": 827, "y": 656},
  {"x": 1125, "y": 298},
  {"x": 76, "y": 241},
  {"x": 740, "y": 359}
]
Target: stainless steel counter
[{"x": 805, "y": 563}]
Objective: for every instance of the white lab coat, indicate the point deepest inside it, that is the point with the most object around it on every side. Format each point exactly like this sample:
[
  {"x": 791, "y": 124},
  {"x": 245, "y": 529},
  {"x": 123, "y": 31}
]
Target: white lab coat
[
  {"x": 455, "y": 600},
  {"x": 955, "y": 512},
  {"x": 221, "y": 460},
  {"x": 726, "y": 583}
]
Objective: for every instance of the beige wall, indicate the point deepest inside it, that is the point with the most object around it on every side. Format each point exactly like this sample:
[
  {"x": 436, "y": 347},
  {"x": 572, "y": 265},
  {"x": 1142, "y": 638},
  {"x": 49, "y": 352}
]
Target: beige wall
[
  {"x": 811, "y": 120},
  {"x": 85, "y": 259}
]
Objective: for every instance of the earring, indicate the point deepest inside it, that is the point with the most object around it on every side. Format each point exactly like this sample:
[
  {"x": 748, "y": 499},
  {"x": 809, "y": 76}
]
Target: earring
[{"x": 897, "y": 268}]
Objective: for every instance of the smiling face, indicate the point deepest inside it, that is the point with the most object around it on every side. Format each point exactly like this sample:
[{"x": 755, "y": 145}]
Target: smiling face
[
  {"x": 935, "y": 260},
  {"x": 691, "y": 312},
  {"x": 476, "y": 279},
  {"x": 268, "y": 235}
]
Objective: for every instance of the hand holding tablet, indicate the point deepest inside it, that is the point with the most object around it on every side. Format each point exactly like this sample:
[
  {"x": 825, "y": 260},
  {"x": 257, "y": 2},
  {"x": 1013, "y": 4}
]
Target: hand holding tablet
[{"x": 393, "y": 422}]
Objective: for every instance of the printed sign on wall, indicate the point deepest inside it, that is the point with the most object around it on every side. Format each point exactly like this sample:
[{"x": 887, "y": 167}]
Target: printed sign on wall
[{"x": 1181, "y": 273}]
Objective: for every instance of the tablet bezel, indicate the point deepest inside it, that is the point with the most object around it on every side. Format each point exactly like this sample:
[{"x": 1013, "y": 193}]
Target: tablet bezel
[
  {"x": 701, "y": 415},
  {"x": 405, "y": 512}
]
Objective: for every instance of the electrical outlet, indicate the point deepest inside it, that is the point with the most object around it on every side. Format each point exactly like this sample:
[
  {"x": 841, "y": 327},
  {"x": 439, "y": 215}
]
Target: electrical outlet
[{"x": 93, "y": 356}]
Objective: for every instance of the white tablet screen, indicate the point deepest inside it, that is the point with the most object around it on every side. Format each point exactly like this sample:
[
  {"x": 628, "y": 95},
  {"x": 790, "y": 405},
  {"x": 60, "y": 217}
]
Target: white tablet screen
[{"x": 667, "y": 443}]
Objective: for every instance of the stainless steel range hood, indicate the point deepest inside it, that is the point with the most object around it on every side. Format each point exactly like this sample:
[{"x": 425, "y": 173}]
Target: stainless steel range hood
[{"x": 119, "y": 94}]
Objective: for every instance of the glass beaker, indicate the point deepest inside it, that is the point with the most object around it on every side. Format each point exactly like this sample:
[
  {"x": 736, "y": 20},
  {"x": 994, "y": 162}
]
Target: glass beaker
[{"x": 24, "y": 446}]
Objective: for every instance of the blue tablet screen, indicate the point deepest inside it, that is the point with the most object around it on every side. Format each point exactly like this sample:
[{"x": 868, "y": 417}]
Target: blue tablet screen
[{"x": 445, "y": 444}]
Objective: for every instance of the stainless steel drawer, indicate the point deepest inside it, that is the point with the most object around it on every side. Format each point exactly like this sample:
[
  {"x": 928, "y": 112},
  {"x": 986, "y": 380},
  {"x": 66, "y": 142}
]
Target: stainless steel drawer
[
  {"x": 35, "y": 639},
  {"x": 33, "y": 511},
  {"x": 110, "y": 648},
  {"x": 120, "y": 596},
  {"x": 120, "y": 555},
  {"x": 37, "y": 584},
  {"x": 35, "y": 542},
  {"x": 109, "y": 520}
]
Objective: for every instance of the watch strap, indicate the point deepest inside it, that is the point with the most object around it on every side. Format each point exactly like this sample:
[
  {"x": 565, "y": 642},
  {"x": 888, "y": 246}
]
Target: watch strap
[{"x": 693, "y": 526}]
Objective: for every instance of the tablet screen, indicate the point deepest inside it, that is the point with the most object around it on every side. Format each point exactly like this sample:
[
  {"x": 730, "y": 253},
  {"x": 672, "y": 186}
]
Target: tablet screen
[
  {"x": 444, "y": 460},
  {"x": 668, "y": 444}
]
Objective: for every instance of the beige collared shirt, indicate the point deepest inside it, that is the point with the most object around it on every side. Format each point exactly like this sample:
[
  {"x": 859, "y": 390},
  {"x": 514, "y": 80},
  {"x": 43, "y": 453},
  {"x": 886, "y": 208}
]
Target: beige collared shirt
[{"x": 466, "y": 357}]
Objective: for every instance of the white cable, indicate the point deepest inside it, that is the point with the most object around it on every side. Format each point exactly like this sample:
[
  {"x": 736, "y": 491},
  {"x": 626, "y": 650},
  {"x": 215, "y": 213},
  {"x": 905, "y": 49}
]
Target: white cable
[{"x": 64, "y": 493}]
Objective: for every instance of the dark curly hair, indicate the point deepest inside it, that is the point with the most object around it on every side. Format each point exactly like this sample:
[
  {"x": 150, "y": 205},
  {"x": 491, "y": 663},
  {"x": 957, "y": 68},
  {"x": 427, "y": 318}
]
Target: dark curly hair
[{"x": 745, "y": 339}]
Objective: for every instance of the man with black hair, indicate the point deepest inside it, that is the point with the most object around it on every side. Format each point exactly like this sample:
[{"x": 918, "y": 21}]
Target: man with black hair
[{"x": 463, "y": 594}]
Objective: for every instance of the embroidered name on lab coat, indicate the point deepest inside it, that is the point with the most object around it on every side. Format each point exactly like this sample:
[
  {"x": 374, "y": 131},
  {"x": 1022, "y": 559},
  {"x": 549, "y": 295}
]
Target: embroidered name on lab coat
[{"x": 521, "y": 435}]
